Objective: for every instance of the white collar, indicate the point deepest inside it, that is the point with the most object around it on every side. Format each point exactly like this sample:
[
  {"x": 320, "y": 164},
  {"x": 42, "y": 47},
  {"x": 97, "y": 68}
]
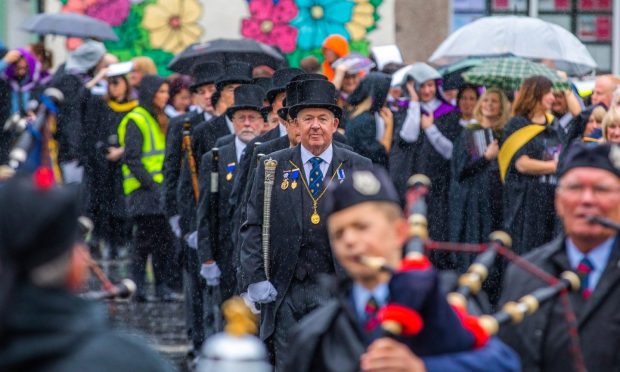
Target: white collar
[
  {"x": 327, "y": 155},
  {"x": 283, "y": 131},
  {"x": 431, "y": 105}
]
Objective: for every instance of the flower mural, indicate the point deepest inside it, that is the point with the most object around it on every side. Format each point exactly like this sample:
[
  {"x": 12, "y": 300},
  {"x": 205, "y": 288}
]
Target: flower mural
[
  {"x": 314, "y": 21},
  {"x": 113, "y": 12},
  {"x": 172, "y": 24},
  {"x": 318, "y": 19},
  {"x": 268, "y": 23}
]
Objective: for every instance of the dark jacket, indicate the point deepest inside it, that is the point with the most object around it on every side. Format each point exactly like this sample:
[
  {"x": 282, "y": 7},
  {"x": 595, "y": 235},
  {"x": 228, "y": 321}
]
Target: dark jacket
[
  {"x": 207, "y": 133},
  {"x": 542, "y": 340},
  {"x": 361, "y": 134},
  {"x": 330, "y": 339},
  {"x": 290, "y": 222},
  {"x": 174, "y": 158},
  {"x": 51, "y": 330},
  {"x": 221, "y": 250},
  {"x": 146, "y": 200}
]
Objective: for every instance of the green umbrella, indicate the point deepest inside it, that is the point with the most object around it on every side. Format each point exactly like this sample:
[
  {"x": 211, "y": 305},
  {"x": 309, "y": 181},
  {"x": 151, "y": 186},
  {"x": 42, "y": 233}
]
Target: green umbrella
[{"x": 508, "y": 73}]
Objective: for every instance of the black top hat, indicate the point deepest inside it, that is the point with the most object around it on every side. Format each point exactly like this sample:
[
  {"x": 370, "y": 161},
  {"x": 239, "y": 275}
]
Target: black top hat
[
  {"x": 206, "y": 73},
  {"x": 247, "y": 97},
  {"x": 291, "y": 92},
  {"x": 315, "y": 94},
  {"x": 263, "y": 82},
  {"x": 235, "y": 73},
  {"x": 280, "y": 79}
]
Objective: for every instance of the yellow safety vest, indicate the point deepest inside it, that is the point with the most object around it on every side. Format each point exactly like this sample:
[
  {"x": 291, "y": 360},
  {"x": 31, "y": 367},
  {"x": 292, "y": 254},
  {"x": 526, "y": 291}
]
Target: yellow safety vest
[{"x": 153, "y": 147}]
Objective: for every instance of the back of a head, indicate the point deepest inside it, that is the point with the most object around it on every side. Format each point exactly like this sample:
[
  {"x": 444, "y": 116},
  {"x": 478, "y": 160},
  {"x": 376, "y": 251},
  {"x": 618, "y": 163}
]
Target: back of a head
[
  {"x": 310, "y": 64},
  {"x": 376, "y": 86},
  {"x": 144, "y": 65},
  {"x": 149, "y": 85}
]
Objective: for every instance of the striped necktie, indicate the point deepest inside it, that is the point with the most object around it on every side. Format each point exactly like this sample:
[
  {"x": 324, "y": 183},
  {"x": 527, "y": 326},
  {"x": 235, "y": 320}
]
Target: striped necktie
[
  {"x": 584, "y": 268},
  {"x": 370, "y": 315},
  {"x": 316, "y": 176}
]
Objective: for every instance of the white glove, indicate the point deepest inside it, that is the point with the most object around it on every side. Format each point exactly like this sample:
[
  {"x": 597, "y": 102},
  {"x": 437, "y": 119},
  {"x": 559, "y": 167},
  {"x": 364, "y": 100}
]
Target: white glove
[
  {"x": 211, "y": 272},
  {"x": 263, "y": 292},
  {"x": 192, "y": 240},
  {"x": 251, "y": 305},
  {"x": 174, "y": 225}
]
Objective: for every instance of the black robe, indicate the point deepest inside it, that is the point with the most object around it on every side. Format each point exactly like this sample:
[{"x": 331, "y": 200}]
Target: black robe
[
  {"x": 361, "y": 134},
  {"x": 529, "y": 211}
]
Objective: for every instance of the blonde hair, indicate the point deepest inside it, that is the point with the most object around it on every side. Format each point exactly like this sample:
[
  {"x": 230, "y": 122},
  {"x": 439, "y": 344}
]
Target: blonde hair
[
  {"x": 598, "y": 113},
  {"x": 504, "y": 114},
  {"x": 145, "y": 65},
  {"x": 611, "y": 117}
]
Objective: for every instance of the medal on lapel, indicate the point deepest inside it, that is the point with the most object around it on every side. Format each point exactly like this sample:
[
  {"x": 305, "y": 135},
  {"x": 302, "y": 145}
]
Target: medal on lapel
[
  {"x": 294, "y": 177},
  {"x": 230, "y": 168},
  {"x": 341, "y": 175},
  {"x": 284, "y": 184}
]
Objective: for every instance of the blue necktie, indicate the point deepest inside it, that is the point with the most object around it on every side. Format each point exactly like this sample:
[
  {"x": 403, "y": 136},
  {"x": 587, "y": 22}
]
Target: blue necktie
[
  {"x": 316, "y": 176},
  {"x": 584, "y": 268}
]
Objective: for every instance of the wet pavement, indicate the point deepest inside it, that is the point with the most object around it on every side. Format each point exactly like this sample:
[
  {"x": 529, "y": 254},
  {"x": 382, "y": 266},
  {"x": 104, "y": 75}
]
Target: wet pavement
[{"x": 161, "y": 324}]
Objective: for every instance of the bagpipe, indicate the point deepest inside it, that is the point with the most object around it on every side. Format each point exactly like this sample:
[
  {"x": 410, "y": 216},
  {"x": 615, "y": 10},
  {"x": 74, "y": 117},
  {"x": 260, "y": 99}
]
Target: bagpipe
[
  {"x": 35, "y": 145},
  {"x": 430, "y": 322}
]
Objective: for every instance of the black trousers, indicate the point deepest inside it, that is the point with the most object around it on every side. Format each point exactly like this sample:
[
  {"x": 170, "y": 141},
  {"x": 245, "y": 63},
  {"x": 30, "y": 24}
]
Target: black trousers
[
  {"x": 194, "y": 286},
  {"x": 301, "y": 298},
  {"x": 152, "y": 236}
]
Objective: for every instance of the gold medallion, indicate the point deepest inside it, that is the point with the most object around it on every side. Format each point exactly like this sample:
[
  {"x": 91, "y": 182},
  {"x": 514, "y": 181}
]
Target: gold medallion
[
  {"x": 294, "y": 185},
  {"x": 315, "y": 218},
  {"x": 229, "y": 177},
  {"x": 284, "y": 184}
]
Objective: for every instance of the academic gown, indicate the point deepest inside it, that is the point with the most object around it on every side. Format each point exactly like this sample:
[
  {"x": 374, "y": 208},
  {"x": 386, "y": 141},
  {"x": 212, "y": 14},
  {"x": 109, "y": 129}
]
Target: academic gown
[
  {"x": 362, "y": 135},
  {"x": 529, "y": 211}
]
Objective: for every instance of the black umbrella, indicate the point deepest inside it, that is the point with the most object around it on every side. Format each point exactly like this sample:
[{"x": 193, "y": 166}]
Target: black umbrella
[
  {"x": 227, "y": 50},
  {"x": 69, "y": 24}
]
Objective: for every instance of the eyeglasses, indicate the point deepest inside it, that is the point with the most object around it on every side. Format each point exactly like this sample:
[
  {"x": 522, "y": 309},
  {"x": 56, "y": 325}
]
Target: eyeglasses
[
  {"x": 251, "y": 118},
  {"x": 599, "y": 191}
]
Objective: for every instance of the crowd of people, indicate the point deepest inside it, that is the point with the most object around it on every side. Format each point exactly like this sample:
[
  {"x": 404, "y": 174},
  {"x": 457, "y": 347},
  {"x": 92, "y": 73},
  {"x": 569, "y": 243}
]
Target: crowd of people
[{"x": 239, "y": 184}]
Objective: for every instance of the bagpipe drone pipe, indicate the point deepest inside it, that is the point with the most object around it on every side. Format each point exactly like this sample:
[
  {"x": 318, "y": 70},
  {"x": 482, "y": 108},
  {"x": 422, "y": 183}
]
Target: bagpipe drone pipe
[{"x": 430, "y": 322}]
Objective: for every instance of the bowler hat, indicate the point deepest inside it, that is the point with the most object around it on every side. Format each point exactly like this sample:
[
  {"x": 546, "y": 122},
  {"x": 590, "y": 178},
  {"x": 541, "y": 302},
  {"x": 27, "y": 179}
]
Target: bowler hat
[
  {"x": 291, "y": 92},
  {"x": 235, "y": 73},
  {"x": 247, "y": 97},
  {"x": 280, "y": 80},
  {"x": 316, "y": 94},
  {"x": 206, "y": 73}
]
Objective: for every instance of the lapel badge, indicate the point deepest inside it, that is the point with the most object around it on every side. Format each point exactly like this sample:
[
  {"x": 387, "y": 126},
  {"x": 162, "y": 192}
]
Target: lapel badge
[
  {"x": 341, "y": 175},
  {"x": 294, "y": 177},
  {"x": 230, "y": 168},
  {"x": 284, "y": 184}
]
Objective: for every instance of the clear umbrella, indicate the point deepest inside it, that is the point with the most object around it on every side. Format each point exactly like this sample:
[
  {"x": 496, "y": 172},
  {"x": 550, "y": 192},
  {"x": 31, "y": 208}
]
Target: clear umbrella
[{"x": 525, "y": 37}]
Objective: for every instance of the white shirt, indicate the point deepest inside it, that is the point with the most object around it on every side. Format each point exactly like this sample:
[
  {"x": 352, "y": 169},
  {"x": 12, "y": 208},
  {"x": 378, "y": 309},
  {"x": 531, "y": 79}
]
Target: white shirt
[
  {"x": 283, "y": 131},
  {"x": 380, "y": 127},
  {"x": 239, "y": 147},
  {"x": 306, "y": 155},
  {"x": 229, "y": 123},
  {"x": 410, "y": 130},
  {"x": 599, "y": 256}
]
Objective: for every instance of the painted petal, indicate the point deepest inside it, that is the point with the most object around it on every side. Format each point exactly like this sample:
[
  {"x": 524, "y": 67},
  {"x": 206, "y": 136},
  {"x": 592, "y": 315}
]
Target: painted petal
[
  {"x": 365, "y": 20},
  {"x": 305, "y": 38},
  {"x": 250, "y": 28},
  {"x": 172, "y": 6},
  {"x": 155, "y": 17},
  {"x": 320, "y": 34},
  {"x": 189, "y": 34},
  {"x": 303, "y": 18},
  {"x": 285, "y": 37},
  {"x": 261, "y": 9},
  {"x": 337, "y": 28},
  {"x": 306, "y": 3},
  {"x": 191, "y": 11},
  {"x": 328, "y": 2},
  {"x": 284, "y": 11},
  {"x": 339, "y": 12},
  {"x": 356, "y": 31},
  {"x": 364, "y": 8},
  {"x": 172, "y": 44},
  {"x": 159, "y": 36}
]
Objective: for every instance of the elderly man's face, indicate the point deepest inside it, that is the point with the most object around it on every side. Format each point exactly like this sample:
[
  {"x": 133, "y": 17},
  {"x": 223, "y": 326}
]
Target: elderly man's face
[
  {"x": 247, "y": 124},
  {"x": 584, "y": 192},
  {"x": 317, "y": 126},
  {"x": 603, "y": 91}
]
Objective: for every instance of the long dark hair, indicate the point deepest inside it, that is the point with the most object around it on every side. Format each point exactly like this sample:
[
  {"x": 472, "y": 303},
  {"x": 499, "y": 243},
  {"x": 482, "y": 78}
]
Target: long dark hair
[{"x": 530, "y": 94}]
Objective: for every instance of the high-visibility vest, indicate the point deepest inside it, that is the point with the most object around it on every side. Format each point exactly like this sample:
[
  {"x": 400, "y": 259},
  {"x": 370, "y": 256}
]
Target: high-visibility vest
[{"x": 153, "y": 147}]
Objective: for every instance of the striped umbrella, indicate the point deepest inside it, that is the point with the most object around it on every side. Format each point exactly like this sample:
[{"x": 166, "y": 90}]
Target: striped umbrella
[{"x": 509, "y": 72}]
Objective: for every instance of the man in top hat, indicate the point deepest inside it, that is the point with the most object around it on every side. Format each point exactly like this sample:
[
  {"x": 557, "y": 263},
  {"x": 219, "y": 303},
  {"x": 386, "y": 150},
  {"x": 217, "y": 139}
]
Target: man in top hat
[
  {"x": 285, "y": 283},
  {"x": 204, "y": 75},
  {"x": 44, "y": 326},
  {"x": 364, "y": 219},
  {"x": 589, "y": 185},
  {"x": 216, "y": 258}
]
